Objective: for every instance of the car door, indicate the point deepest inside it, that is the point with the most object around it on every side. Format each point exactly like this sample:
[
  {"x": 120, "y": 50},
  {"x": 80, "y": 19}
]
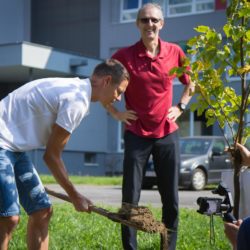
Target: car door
[{"x": 219, "y": 160}]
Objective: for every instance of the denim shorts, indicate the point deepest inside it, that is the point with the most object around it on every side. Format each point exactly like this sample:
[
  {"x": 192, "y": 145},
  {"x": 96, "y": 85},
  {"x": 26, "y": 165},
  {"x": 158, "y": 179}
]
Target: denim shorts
[{"x": 20, "y": 184}]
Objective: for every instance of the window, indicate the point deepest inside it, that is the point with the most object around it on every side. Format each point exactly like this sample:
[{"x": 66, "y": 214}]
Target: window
[
  {"x": 129, "y": 8},
  {"x": 187, "y": 7},
  {"x": 194, "y": 146},
  {"x": 121, "y": 128},
  {"x": 219, "y": 147},
  {"x": 90, "y": 159}
]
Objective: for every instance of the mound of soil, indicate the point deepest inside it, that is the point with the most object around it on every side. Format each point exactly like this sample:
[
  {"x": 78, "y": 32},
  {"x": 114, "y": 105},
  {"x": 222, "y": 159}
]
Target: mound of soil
[{"x": 142, "y": 218}]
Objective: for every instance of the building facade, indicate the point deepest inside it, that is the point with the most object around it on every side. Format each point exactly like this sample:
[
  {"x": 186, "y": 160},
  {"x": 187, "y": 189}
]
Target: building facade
[{"x": 44, "y": 38}]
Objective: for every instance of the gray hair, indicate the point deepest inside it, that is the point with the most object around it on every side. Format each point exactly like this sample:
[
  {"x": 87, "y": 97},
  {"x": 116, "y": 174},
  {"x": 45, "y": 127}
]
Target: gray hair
[{"x": 151, "y": 5}]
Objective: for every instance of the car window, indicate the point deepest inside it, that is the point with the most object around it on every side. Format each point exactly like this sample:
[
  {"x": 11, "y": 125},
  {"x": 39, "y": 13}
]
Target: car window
[
  {"x": 194, "y": 146},
  {"x": 219, "y": 146}
]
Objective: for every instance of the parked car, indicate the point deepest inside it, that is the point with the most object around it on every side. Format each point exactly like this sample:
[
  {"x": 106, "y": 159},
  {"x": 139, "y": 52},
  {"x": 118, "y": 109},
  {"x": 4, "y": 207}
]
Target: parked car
[{"x": 203, "y": 158}]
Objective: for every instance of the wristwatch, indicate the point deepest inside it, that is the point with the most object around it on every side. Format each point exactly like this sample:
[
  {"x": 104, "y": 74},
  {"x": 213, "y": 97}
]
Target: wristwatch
[{"x": 181, "y": 106}]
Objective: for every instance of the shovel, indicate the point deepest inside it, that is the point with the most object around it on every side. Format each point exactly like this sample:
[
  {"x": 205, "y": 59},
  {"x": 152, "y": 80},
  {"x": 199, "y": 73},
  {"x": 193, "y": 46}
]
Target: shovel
[
  {"x": 149, "y": 225},
  {"x": 130, "y": 215}
]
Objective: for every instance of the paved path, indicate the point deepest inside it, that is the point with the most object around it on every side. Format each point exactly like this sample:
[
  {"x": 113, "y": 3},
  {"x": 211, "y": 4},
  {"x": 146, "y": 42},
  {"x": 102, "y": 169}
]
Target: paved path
[{"x": 111, "y": 195}]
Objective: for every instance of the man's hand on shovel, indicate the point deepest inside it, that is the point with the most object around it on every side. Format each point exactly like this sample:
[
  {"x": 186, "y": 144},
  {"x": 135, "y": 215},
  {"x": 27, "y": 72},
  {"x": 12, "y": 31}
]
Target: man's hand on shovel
[{"x": 81, "y": 203}]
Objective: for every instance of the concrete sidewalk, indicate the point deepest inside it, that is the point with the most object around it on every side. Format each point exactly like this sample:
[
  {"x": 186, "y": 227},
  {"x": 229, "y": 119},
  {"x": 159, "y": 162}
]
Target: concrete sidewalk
[
  {"x": 111, "y": 195},
  {"x": 106, "y": 195}
]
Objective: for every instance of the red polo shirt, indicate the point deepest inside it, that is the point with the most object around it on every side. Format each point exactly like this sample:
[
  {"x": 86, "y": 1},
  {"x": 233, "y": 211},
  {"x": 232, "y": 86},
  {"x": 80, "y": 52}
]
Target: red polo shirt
[{"x": 150, "y": 91}]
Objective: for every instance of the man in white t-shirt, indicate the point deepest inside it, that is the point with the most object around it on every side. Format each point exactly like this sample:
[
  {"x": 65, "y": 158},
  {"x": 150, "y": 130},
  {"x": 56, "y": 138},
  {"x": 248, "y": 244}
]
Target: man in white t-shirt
[{"x": 45, "y": 112}]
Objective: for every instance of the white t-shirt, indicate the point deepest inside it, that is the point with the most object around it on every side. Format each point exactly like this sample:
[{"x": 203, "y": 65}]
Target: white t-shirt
[{"x": 28, "y": 113}]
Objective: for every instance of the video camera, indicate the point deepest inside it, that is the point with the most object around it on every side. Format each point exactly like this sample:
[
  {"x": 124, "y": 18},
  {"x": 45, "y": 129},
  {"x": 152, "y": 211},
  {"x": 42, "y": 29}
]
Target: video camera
[{"x": 217, "y": 206}]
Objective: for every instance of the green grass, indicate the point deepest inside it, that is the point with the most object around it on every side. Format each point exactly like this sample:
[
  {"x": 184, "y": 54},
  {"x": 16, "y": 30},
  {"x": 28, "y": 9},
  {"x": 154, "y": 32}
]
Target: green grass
[
  {"x": 96, "y": 180},
  {"x": 87, "y": 180},
  {"x": 81, "y": 231}
]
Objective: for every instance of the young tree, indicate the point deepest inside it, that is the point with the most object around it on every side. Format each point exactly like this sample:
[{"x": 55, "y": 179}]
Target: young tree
[{"x": 217, "y": 57}]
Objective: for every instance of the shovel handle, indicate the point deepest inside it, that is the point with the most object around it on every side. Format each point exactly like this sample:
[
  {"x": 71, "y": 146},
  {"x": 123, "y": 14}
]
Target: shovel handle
[
  {"x": 65, "y": 197},
  {"x": 58, "y": 195}
]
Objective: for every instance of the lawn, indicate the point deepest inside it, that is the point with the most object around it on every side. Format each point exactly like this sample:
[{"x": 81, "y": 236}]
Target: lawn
[
  {"x": 96, "y": 180},
  {"x": 77, "y": 231},
  {"x": 87, "y": 180},
  {"x": 72, "y": 230}
]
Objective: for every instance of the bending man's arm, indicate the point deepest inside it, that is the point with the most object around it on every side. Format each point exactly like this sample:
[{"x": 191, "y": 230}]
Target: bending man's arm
[
  {"x": 52, "y": 157},
  {"x": 122, "y": 116}
]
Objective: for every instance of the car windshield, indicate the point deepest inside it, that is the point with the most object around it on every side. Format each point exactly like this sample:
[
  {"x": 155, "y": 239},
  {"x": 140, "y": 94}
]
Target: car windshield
[{"x": 194, "y": 146}]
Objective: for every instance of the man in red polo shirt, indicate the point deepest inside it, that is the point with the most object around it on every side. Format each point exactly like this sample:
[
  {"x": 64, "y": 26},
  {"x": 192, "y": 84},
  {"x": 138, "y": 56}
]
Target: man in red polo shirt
[{"x": 150, "y": 118}]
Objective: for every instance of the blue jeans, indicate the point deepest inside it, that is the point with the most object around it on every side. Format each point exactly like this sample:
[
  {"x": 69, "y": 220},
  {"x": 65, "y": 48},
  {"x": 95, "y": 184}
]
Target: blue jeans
[{"x": 19, "y": 182}]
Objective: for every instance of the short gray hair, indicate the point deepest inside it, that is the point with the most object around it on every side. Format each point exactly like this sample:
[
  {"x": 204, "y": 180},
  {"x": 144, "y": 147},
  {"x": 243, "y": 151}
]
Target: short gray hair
[{"x": 152, "y": 5}]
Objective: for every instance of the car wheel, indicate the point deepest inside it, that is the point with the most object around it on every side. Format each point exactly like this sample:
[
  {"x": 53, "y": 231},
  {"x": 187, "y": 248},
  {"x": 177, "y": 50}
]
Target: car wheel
[{"x": 198, "y": 179}]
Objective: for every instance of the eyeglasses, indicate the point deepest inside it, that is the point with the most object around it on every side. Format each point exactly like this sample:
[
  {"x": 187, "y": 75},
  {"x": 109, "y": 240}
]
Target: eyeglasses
[{"x": 147, "y": 20}]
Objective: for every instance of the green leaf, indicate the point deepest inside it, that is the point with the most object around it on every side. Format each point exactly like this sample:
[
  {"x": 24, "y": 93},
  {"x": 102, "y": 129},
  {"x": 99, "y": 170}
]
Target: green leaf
[
  {"x": 245, "y": 11},
  {"x": 227, "y": 49},
  {"x": 191, "y": 42},
  {"x": 227, "y": 29},
  {"x": 231, "y": 72},
  {"x": 193, "y": 107},
  {"x": 202, "y": 29},
  {"x": 210, "y": 121},
  {"x": 192, "y": 51},
  {"x": 248, "y": 34}
]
